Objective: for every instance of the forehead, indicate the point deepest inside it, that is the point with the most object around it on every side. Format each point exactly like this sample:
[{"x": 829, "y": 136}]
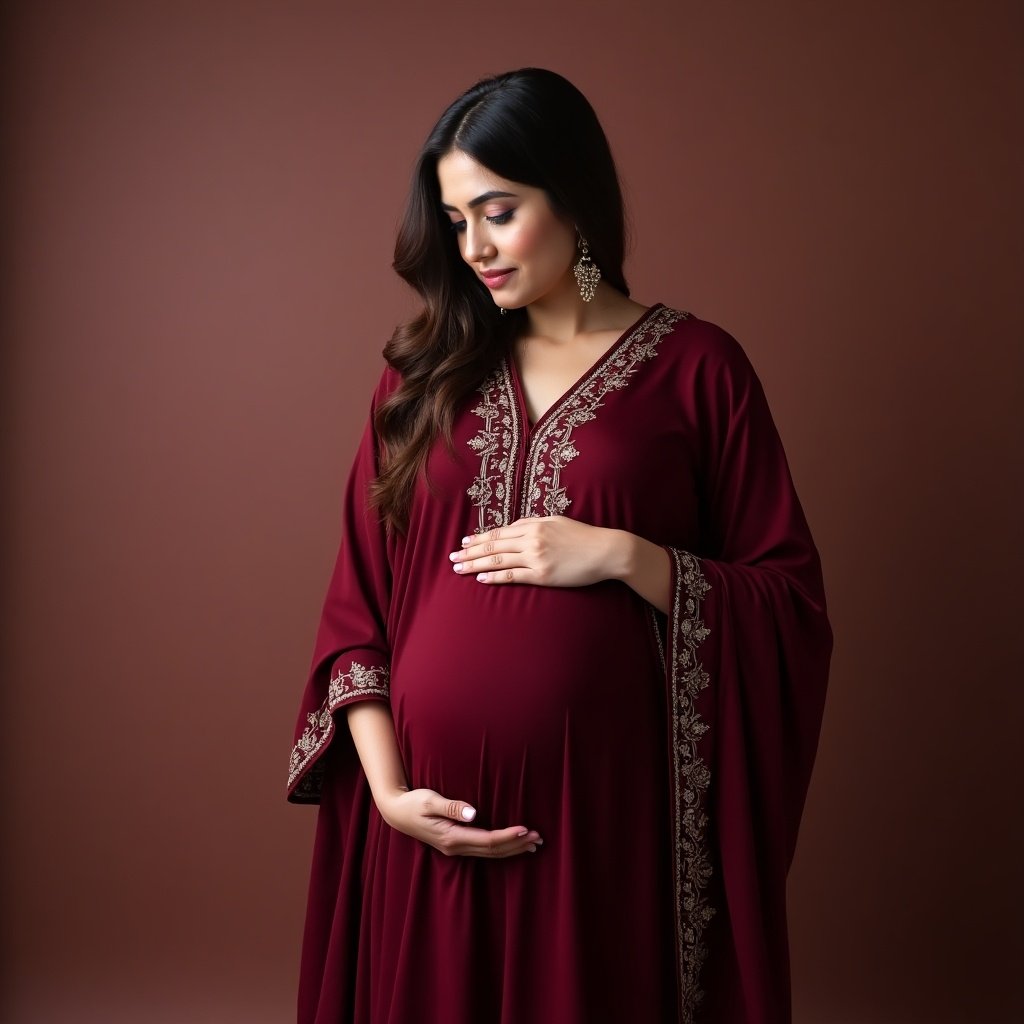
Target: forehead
[{"x": 462, "y": 178}]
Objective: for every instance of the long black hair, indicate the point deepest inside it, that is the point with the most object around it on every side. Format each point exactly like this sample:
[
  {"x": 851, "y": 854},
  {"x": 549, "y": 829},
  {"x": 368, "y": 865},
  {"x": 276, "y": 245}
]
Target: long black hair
[{"x": 529, "y": 126}]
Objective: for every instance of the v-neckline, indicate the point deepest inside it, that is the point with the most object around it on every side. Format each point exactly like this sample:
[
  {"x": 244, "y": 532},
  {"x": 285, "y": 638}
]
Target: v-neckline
[{"x": 520, "y": 390}]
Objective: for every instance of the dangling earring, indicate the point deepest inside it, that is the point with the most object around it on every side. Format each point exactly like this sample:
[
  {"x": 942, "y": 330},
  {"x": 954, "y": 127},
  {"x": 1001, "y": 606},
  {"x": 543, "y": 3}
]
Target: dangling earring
[
  {"x": 503, "y": 310},
  {"x": 587, "y": 272}
]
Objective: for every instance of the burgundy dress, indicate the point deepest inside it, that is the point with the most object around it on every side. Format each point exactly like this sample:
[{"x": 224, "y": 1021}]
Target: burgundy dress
[{"x": 664, "y": 759}]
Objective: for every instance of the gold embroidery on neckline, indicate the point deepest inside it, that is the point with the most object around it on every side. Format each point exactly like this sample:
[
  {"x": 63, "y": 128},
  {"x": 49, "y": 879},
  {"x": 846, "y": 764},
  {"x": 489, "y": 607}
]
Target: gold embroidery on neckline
[
  {"x": 552, "y": 447},
  {"x": 496, "y": 443}
]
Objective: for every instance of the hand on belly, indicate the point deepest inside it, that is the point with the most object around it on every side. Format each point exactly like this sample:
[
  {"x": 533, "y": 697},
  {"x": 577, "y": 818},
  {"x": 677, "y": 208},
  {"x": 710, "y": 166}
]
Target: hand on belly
[{"x": 429, "y": 817}]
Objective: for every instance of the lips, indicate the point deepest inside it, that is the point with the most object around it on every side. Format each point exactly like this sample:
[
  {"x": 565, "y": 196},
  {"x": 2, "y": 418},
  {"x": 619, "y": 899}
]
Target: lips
[{"x": 496, "y": 278}]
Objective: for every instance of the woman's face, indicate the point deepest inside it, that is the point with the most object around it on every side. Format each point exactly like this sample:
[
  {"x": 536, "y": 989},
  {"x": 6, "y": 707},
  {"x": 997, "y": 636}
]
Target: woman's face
[{"x": 507, "y": 232}]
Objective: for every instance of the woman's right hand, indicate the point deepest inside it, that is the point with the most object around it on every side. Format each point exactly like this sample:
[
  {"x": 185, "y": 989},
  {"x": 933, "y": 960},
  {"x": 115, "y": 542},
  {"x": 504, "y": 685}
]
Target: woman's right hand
[
  {"x": 422, "y": 813},
  {"x": 442, "y": 824}
]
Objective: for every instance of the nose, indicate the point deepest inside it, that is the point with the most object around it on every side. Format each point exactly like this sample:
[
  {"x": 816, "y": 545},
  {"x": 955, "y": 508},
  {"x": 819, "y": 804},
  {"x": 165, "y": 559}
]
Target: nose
[{"x": 478, "y": 245}]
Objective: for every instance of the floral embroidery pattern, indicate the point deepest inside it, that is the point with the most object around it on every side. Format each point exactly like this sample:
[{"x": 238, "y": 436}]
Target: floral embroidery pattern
[
  {"x": 692, "y": 862},
  {"x": 496, "y": 443},
  {"x": 552, "y": 448},
  {"x": 358, "y": 681}
]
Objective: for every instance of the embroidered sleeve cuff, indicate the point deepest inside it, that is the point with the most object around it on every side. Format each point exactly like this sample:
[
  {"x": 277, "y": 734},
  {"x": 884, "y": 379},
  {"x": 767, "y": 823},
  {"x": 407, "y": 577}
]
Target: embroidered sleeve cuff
[{"x": 350, "y": 681}]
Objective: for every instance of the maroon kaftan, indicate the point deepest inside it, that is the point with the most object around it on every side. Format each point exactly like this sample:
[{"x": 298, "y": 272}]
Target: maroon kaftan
[{"x": 664, "y": 759}]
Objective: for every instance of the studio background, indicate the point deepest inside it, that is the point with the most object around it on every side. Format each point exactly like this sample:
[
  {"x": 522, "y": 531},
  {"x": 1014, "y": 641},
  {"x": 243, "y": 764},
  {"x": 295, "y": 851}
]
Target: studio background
[{"x": 199, "y": 211}]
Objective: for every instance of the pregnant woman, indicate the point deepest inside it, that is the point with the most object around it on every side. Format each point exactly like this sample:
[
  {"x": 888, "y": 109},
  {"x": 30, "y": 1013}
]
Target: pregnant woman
[{"x": 569, "y": 677}]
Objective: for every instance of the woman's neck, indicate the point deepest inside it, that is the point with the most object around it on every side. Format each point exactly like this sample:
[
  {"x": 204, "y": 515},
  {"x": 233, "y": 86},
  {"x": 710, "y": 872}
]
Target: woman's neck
[{"x": 561, "y": 316}]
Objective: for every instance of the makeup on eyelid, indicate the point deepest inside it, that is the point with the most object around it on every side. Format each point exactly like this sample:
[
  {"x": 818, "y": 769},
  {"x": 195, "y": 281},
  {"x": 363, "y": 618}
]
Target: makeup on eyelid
[{"x": 491, "y": 218}]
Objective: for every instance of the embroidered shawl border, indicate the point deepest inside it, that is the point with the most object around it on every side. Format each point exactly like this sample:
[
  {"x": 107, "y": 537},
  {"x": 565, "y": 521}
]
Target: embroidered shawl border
[
  {"x": 690, "y": 777},
  {"x": 358, "y": 681}
]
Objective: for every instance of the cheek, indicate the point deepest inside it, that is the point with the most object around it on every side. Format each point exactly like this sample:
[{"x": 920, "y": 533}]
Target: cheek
[
  {"x": 538, "y": 244},
  {"x": 523, "y": 241}
]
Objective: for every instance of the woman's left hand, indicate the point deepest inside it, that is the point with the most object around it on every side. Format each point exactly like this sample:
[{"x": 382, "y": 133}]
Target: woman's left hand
[{"x": 548, "y": 551}]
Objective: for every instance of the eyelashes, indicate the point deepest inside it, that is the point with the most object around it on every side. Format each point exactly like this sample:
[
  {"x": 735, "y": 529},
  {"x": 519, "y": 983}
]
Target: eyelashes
[{"x": 459, "y": 226}]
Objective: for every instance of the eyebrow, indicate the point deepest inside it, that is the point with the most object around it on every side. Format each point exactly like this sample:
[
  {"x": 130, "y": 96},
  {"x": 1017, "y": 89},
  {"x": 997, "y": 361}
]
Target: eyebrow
[{"x": 485, "y": 198}]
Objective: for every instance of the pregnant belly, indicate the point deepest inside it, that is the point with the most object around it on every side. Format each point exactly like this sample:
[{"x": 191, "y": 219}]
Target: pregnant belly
[{"x": 502, "y": 694}]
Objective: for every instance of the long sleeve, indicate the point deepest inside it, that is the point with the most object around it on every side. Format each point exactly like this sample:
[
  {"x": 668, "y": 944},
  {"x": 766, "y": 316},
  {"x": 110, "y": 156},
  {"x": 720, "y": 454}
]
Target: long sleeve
[
  {"x": 351, "y": 657},
  {"x": 749, "y": 645},
  {"x": 351, "y": 662}
]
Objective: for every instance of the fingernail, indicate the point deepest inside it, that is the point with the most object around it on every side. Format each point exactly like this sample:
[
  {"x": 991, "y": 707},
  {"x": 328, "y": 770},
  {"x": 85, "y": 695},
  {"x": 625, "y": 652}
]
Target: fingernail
[
  {"x": 468, "y": 813},
  {"x": 457, "y": 567},
  {"x": 482, "y": 577},
  {"x": 467, "y": 540},
  {"x": 523, "y": 833},
  {"x": 540, "y": 842},
  {"x": 532, "y": 849}
]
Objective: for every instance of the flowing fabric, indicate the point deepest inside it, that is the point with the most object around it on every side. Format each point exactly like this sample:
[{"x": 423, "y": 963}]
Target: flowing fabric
[{"x": 664, "y": 759}]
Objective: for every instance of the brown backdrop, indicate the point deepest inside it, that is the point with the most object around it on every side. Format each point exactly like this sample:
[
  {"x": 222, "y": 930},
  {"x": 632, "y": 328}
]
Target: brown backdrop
[{"x": 200, "y": 204}]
